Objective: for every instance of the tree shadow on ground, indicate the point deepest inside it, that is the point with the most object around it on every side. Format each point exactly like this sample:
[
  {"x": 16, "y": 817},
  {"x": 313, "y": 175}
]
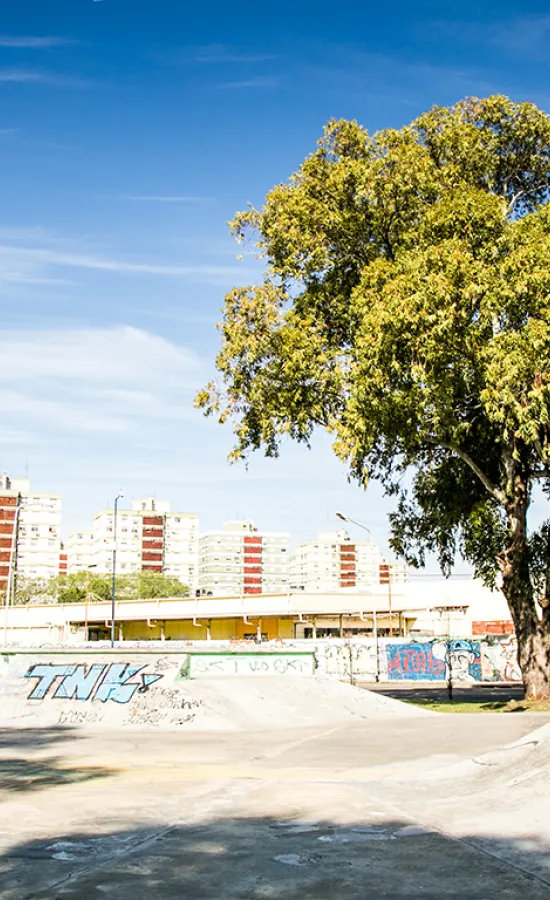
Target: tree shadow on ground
[
  {"x": 36, "y": 738},
  {"x": 480, "y": 692},
  {"x": 22, "y": 775},
  {"x": 266, "y": 858},
  {"x": 28, "y": 772}
]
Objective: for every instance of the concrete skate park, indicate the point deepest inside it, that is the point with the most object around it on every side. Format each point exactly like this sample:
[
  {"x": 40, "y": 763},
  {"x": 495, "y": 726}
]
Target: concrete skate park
[{"x": 130, "y": 773}]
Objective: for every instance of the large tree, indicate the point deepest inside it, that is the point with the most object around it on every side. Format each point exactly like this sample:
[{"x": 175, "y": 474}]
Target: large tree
[{"x": 405, "y": 308}]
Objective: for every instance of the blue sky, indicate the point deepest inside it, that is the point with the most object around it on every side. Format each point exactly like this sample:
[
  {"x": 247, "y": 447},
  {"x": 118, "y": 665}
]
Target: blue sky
[{"x": 130, "y": 132}]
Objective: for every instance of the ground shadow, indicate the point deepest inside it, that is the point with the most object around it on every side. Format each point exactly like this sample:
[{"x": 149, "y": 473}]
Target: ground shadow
[
  {"x": 26, "y": 772},
  {"x": 264, "y": 858},
  {"x": 479, "y": 692},
  {"x": 35, "y": 738},
  {"x": 21, "y": 775}
]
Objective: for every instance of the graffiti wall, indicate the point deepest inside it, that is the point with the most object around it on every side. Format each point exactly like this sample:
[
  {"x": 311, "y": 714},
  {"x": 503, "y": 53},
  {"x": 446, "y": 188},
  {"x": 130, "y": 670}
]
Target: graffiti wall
[
  {"x": 147, "y": 690},
  {"x": 355, "y": 659},
  {"x": 499, "y": 659},
  {"x": 151, "y": 689},
  {"x": 433, "y": 661},
  {"x": 215, "y": 664}
]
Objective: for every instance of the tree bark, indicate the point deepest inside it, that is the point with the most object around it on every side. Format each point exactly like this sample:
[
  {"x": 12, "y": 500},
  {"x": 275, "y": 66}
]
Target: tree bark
[{"x": 532, "y": 631}]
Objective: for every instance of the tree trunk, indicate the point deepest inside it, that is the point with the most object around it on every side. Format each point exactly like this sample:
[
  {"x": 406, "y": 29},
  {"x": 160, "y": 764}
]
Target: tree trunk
[{"x": 532, "y": 631}]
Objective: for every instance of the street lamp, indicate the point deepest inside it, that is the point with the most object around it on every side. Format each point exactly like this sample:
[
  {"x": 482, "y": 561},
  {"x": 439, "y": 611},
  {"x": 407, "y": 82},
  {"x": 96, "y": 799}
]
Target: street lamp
[
  {"x": 88, "y": 570},
  {"x": 386, "y": 569},
  {"x": 119, "y": 496},
  {"x": 344, "y": 518}
]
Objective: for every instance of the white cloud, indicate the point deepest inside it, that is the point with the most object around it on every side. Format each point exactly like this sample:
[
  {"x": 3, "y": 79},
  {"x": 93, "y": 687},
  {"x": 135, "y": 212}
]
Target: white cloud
[
  {"x": 25, "y": 75},
  {"x": 259, "y": 82},
  {"x": 31, "y": 42},
  {"x": 219, "y": 54},
  {"x": 17, "y": 436},
  {"x": 33, "y": 263},
  {"x": 168, "y": 198},
  {"x": 93, "y": 380}
]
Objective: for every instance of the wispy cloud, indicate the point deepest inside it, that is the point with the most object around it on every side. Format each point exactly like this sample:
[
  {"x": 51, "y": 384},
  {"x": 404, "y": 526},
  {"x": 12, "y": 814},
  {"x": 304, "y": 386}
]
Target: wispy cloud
[
  {"x": 525, "y": 35},
  {"x": 218, "y": 54},
  {"x": 167, "y": 198},
  {"x": 17, "y": 436},
  {"x": 23, "y": 75},
  {"x": 401, "y": 81},
  {"x": 259, "y": 82},
  {"x": 93, "y": 379},
  {"x": 32, "y": 42},
  {"x": 22, "y": 264}
]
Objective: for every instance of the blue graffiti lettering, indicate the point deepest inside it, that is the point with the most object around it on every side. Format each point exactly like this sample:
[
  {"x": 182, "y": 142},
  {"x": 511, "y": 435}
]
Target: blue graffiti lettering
[
  {"x": 46, "y": 675},
  {"x": 79, "y": 684},
  {"x": 117, "y": 686}
]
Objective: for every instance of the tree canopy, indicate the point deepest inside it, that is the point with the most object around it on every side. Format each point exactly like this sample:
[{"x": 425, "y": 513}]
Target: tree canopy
[
  {"x": 405, "y": 309},
  {"x": 79, "y": 586}
]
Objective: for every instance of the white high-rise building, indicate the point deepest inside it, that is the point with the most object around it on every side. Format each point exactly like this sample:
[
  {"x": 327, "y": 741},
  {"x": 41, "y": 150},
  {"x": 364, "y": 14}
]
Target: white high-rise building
[
  {"x": 149, "y": 538},
  {"x": 333, "y": 562},
  {"x": 30, "y": 531},
  {"x": 181, "y": 547},
  {"x": 78, "y": 548},
  {"x": 239, "y": 559}
]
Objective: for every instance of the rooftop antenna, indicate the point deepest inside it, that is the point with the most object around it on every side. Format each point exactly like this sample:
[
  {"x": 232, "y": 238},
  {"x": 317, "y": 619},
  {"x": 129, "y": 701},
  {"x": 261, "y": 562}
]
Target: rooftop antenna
[{"x": 27, "y": 467}]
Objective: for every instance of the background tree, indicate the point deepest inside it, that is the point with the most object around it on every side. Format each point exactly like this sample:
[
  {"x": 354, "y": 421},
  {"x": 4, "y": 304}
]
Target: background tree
[
  {"x": 79, "y": 586},
  {"x": 34, "y": 590},
  {"x": 405, "y": 309}
]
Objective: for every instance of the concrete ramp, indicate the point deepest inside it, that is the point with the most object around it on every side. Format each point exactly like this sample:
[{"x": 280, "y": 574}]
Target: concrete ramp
[
  {"x": 498, "y": 802},
  {"x": 128, "y": 690}
]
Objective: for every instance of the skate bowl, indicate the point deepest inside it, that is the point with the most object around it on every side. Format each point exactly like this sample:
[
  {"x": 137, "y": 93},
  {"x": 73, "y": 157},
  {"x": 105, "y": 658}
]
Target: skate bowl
[
  {"x": 497, "y": 801},
  {"x": 108, "y": 689}
]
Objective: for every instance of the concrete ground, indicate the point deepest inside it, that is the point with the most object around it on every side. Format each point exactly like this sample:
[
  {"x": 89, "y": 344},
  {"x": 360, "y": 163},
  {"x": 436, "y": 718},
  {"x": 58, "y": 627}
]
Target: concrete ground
[
  {"x": 314, "y": 813},
  {"x": 478, "y": 692}
]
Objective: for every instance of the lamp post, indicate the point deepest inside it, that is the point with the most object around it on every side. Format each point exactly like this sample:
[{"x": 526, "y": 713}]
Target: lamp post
[
  {"x": 344, "y": 518},
  {"x": 386, "y": 567},
  {"x": 88, "y": 570},
  {"x": 119, "y": 496}
]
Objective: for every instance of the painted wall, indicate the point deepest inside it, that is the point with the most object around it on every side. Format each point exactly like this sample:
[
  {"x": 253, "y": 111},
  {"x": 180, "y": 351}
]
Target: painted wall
[
  {"x": 247, "y": 663},
  {"x": 220, "y": 630},
  {"x": 491, "y": 659}
]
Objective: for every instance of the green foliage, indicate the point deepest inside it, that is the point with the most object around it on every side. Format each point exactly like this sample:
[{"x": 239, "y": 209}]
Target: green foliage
[
  {"x": 35, "y": 590},
  {"x": 75, "y": 588},
  {"x": 405, "y": 309}
]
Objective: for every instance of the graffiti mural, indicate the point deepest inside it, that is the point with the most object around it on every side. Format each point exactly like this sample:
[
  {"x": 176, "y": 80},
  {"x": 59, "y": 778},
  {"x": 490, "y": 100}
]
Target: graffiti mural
[
  {"x": 414, "y": 662},
  {"x": 351, "y": 659},
  {"x": 243, "y": 664},
  {"x": 499, "y": 659},
  {"x": 462, "y": 659},
  {"x": 114, "y": 681}
]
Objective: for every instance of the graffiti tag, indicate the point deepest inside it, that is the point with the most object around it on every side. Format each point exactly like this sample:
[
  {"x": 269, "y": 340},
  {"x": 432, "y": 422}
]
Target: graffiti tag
[
  {"x": 116, "y": 681},
  {"x": 414, "y": 662}
]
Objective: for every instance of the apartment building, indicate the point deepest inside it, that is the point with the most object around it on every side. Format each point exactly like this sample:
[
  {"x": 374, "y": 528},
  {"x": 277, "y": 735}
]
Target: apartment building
[
  {"x": 239, "y": 559},
  {"x": 149, "y": 538},
  {"x": 30, "y": 532},
  {"x": 393, "y": 572},
  {"x": 332, "y": 562},
  {"x": 78, "y": 547}
]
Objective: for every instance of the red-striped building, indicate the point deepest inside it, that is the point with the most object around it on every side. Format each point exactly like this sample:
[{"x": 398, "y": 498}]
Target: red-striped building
[{"x": 239, "y": 559}]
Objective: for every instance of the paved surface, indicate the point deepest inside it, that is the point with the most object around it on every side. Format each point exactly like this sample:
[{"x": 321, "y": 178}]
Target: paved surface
[
  {"x": 314, "y": 813},
  {"x": 464, "y": 693}
]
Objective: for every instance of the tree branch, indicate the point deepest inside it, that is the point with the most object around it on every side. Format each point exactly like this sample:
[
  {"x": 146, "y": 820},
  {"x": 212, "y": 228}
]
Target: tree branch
[
  {"x": 495, "y": 492},
  {"x": 486, "y": 482}
]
